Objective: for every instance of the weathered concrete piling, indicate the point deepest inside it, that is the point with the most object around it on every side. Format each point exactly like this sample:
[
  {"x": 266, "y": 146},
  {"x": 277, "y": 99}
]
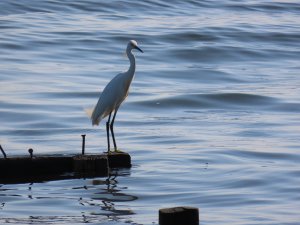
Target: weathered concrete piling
[{"x": 179, "y": 216}]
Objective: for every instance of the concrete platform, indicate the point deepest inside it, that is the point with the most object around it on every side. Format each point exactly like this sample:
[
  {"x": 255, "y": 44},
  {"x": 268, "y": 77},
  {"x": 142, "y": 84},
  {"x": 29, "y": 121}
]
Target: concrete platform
[{"x": 20, "y": 169}]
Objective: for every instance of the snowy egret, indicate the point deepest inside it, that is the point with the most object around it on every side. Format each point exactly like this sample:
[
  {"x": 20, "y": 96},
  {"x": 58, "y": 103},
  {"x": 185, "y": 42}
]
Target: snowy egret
[{"x": 113, "y": 95}]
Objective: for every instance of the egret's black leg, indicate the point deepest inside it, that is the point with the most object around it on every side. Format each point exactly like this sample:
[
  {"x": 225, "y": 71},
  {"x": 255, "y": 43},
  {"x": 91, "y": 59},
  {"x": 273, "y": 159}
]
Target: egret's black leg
[
  {"x": 107, "y": 133},
  {"x": 112, "y": 129}
]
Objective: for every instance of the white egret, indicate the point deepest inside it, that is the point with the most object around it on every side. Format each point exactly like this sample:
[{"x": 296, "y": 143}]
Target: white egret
[{"x": 113, "y": 95}]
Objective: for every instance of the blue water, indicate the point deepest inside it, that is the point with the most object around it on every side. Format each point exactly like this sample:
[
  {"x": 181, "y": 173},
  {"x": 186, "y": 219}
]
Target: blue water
[{"x": 212, "y": 119}]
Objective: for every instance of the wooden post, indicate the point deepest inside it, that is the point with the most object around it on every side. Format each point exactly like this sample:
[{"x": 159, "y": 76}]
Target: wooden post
[
  {"x": 83, "y": 144},
  {"x": 179, "y": 216},
  {"x": 30, "y": 152}
]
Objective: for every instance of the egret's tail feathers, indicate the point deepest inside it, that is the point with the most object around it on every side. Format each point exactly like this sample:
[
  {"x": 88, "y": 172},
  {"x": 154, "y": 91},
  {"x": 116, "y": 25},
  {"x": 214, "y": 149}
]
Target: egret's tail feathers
[
  {"x": 89, "y": 112},
  {"x": 96, "y": 122}
]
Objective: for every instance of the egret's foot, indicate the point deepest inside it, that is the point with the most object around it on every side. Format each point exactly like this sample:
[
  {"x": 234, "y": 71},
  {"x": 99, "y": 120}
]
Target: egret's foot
[
  {"x": 114, "y": 151},
  {"x": 118, "y": 151}
]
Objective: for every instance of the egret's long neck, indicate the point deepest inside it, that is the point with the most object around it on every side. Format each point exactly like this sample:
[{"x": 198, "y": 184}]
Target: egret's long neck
[{"x": 131, "y": 58}]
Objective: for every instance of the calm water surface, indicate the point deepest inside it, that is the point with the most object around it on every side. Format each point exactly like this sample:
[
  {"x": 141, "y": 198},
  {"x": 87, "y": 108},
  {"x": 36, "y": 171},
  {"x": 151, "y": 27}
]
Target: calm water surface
[{"x": 212, "y": 120}]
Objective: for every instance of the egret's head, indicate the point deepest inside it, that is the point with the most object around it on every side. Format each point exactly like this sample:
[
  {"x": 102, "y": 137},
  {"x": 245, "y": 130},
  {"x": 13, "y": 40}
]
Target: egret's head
[{"x": 133, "y": 45}]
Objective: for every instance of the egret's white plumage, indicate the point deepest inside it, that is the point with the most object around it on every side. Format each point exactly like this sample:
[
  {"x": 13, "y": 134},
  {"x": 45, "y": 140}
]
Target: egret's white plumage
[{"x": 114, "y": 94}]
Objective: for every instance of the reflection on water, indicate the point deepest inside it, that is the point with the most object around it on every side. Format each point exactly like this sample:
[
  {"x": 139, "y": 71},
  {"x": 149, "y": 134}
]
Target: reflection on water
[{"x": 99, "y": 200}]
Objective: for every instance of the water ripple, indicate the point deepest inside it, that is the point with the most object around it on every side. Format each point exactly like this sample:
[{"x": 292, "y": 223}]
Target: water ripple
[{"x": 222, "y": 100}]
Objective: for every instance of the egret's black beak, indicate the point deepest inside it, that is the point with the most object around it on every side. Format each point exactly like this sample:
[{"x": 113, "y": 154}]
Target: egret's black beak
[{"x": 139, "y": 49}]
